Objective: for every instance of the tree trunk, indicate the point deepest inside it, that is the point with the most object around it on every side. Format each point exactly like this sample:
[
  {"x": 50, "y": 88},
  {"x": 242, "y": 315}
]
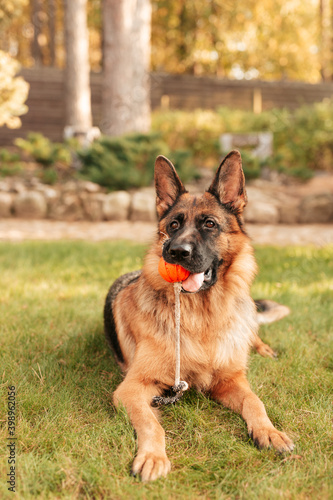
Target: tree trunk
[
  {"x": 78, "y": 99},
  {"x": 325, "y": 40},
  {"x": 36, "y": 17},
  {"x": 52, "y": 10},
  {"x": 126, "y": 62}
]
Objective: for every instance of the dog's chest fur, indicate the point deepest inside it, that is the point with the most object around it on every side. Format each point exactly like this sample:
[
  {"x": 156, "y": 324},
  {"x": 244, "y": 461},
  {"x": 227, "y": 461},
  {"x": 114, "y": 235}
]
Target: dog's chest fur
[
  {"x": 215, "y": 332},
  {"x": 215, "y": 341}
]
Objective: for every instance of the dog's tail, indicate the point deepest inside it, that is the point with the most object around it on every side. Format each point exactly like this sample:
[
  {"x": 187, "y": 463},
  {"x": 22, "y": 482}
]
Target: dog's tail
[{"x": 269, "y": 311}]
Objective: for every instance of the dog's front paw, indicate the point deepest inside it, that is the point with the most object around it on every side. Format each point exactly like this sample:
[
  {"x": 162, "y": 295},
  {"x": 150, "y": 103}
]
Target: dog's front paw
[
  {"x": 268, "y": 437},
  {"x": 151, "y": 466}
]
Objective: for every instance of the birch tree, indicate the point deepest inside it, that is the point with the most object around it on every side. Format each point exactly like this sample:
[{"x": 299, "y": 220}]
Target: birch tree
[
  {"x": 77, "y": 77},
  {"x": 126, "y": 60}
]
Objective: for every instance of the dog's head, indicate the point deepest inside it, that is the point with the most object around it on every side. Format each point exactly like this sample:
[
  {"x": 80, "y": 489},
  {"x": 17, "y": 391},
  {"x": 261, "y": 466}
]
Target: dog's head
[{"x": 201, "y": 233}]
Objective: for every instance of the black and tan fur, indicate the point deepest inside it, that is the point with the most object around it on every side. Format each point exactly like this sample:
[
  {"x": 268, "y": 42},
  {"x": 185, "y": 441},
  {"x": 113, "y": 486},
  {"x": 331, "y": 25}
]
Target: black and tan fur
[{"x": 219, "y": 322}]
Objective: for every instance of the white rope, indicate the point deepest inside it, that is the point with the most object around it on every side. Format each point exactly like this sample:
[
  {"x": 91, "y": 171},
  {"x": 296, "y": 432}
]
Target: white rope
[
  {"x": 181, "y": 385},
  {"x": 177, "y": 288}
]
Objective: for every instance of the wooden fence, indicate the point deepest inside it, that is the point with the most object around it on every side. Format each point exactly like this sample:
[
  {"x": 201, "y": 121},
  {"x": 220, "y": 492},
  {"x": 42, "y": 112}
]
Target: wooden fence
[{"x": 47, "y": 108}]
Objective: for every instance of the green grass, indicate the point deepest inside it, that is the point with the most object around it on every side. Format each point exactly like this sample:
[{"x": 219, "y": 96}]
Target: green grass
[{"x": 71, "y": 442}]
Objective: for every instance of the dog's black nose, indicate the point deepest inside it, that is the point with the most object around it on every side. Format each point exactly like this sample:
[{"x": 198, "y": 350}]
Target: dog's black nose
[{"x": 180, "y": 252}]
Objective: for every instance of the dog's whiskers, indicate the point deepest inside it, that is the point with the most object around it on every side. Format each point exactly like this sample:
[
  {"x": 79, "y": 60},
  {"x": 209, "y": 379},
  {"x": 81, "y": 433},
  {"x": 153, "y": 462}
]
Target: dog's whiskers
[{"x": 165, "y": 239}]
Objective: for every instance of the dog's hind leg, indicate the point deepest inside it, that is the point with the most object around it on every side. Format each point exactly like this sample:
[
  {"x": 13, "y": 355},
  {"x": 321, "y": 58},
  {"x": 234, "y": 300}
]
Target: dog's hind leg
[
  {"x": 268, "y": 311},
  {"x": 151, "y": 461},
  {"x": 263, "y": 349},
  {"x": 235, "y": 393}
]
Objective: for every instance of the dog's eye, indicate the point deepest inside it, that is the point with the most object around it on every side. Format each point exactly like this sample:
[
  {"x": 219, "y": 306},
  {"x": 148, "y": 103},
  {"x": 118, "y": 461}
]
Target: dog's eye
[
  {"x": 210, "y": 223},
  {"x": 174, "y": 224}
]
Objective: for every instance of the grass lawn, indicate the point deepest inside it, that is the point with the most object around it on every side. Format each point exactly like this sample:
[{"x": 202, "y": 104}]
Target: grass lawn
[{"x": 71, "y": 443}]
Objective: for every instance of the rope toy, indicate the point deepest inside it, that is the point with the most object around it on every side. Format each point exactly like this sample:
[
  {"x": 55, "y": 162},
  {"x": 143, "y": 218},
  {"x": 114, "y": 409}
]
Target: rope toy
[{"x": 174, "y": 273}]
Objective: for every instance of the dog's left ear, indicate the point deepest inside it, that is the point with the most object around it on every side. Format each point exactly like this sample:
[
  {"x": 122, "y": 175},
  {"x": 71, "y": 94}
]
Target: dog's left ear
[
  {"x": 168, "y": 185},
  {"x": 229, "y": 183}
]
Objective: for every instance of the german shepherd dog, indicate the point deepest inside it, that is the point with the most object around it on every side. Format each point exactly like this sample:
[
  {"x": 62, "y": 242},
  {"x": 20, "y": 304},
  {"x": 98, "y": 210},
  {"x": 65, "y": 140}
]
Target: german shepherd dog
[{"x": 219, "y": 321}]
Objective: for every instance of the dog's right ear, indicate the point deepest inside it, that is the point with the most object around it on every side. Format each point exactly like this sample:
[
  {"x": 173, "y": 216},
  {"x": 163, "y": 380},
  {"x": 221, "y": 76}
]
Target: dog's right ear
[
  {"x": 168, "y": 185},
  {"x": 229, "y": 183}
]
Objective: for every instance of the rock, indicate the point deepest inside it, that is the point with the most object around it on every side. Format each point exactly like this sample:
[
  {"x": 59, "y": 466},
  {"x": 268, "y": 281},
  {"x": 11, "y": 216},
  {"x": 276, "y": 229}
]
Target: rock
[
  {"x": 70, "y": 187},
  {"x": 285, "y": 201},
  {"x": 35, "y": 183},
  {"x": 273, "y": 176},
  {"x": 317, "y": 208},
  {"x": 89, "y": 186},
  {"x": 52, "y": 196},
  {"x": 18, "y": 187},
  {"x": 143, "y": 206},
  {"x": 4, "y": 186},
  {"x": 68, "y": 207},
  {"x": 261, "y": 212},
  {"x": 49, "y": 192},
  {"x": 289, "y": 212},
  {"x": 93, "y": 206},
  {"x": 6, "y": 202},
  {"x": 30, "y": 205},
  {"x": 116, "y": 206}
]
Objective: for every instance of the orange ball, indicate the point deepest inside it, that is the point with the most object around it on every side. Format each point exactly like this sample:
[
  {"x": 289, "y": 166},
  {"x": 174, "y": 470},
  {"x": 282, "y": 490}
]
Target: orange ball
[{"x": 173, "y": 273}]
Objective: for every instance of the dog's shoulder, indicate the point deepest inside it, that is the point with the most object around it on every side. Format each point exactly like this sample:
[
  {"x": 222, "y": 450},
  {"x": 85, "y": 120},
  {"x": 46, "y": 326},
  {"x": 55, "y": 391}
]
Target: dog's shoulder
[
  {"x": 122, "y": 282},
  {"x": 109, "y": 323}
]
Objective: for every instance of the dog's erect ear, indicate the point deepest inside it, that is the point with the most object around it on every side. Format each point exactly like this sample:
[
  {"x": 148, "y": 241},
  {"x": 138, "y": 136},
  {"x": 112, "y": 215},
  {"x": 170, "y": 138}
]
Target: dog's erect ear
[
  {"x": 229, "y": 183},
  {"x": 168, "y": 185}
]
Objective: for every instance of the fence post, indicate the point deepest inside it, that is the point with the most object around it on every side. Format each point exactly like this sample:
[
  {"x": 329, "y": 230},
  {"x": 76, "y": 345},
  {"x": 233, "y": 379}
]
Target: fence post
[{"x": 257, "y": 101}]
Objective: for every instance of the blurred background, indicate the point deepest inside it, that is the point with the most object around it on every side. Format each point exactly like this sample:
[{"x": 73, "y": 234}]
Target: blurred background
[{"x": 92, "y": 90}]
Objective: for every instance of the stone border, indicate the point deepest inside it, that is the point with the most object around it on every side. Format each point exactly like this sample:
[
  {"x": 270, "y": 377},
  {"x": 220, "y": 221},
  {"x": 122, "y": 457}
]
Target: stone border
[
  {"x": 73, "y": 201},
  {"x": 84, "y": 200}
]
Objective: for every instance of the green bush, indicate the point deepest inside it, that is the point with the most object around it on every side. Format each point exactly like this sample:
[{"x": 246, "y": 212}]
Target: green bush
[
  {"x": 303, "y": 138},
  {"x": 197, "y": 131},
  {"x": 277, "y": 162},
  {"x": 49, "y": 175},
  {"x": 251, "y": 165},
  {"x": 9, "y": 163},
  {"x": 44, "y": 151},
  {"x": 303, "y": 143},
  {"x": 128, "y": 161}
]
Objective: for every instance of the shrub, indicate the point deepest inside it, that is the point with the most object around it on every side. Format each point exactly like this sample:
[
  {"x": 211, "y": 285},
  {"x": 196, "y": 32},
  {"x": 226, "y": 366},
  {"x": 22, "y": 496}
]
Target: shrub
[
  {"x": 196, "y": 131},
  {"x": 303, "y": 139},
  {"x": 251, "y": 165},
  {"x": 44, "y": 151},
  {"x": 49, "y": 175},
  {"x": 9, "y": 163},
  {"x": 128, "y": 161}
]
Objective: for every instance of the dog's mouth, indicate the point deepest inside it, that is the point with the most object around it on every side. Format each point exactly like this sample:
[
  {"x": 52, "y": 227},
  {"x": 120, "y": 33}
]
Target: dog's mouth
[{"x": 198, "y": 281}]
